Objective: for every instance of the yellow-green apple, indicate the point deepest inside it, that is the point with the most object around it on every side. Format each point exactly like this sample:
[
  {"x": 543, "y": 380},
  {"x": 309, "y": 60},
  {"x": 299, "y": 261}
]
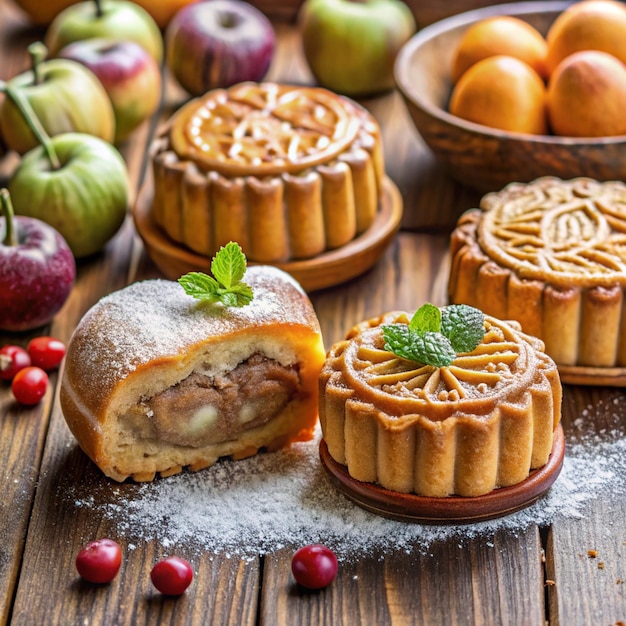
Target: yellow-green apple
[
  {"x": 37, "y": 270},
  {"x": 129, "y": 74},
  {"x": 84, "y": 194},
  {"x": 77, "y": 183},
  {"x": 351, "y": 45},
  {"x": 65, "y": 96},
  {"x": 217, "y": 44},
  {"x": 112, "y": 19}
]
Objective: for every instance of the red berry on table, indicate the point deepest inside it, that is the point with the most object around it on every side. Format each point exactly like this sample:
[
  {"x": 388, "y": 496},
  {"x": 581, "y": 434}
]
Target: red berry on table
[
  {"x": 12, "y": 360},
  {"x": 46, "y": 352},
  {"x": 314, "y": 566},
  {"x": 29, "y": 385},
  {"x": 172, "y": 576},
  {"x": 99, "y": 561}
]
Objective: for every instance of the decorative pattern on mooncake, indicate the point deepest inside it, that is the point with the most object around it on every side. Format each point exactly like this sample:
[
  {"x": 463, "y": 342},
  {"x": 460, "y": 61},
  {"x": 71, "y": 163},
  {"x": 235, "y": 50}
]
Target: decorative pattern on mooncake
[
  {"x": 550, "y": 254},
  {"x": 482, "y": 422},
  {"x": 289, "y": 172}
]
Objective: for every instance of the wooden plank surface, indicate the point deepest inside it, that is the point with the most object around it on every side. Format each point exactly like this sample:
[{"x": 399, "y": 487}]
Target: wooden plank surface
[
  {"x": 472, "y": 578},
  {"x": 407, "y": 589},
  {"x": 587, "y": 560}
]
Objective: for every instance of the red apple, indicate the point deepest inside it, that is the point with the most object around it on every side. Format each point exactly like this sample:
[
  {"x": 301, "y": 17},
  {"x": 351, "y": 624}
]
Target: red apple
[
  {"x": 112, "y": 19},
  {"x": 128, "y": 73},
  {"x": 37, "y": 270},
  {"x": 217, "y": 43}
]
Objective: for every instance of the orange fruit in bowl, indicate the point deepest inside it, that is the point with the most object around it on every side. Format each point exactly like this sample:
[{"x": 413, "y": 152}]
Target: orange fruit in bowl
[
  {"x": 501, "y": 92},
  {"x": 588, "y": 25},
  {"x": 587, "y": 95},
  {"x": 162, "y": 11},
  {"x": 500, "y": 35}
]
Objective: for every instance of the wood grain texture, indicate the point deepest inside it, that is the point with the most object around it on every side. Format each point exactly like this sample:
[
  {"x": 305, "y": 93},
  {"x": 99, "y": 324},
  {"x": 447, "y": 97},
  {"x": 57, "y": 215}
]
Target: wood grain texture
[
  {"x": 586, "y": 558},
  {"x": 406, "y": 590}
]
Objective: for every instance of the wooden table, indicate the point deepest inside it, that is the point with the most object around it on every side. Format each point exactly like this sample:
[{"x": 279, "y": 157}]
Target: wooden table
[{"x": 536, "y": 576}]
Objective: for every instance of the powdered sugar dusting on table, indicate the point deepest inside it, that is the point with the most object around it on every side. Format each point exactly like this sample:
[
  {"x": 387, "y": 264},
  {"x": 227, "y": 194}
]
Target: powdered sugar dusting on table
[{"x": 261, "y": 504}]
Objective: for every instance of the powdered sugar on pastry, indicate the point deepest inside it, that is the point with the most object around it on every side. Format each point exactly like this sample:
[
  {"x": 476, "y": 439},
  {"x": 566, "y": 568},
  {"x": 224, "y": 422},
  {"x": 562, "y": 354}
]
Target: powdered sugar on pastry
[{"x": 145, "y": 367}]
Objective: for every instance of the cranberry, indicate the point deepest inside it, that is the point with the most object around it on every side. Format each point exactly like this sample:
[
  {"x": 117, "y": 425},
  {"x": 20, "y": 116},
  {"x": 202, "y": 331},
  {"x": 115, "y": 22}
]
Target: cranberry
[
  {"x": 172, "y": 576},
  {"x": 29, "y": 385},
  {"x": 99, "y": 561},
  {"x": 46, "y": 352},
  {"x": 12, "y": 360},
  {"x": 314, "y": 566}
]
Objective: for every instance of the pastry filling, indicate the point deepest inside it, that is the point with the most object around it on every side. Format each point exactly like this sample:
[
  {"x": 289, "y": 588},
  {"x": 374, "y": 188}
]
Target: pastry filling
[{"x": 202, "y": 410}]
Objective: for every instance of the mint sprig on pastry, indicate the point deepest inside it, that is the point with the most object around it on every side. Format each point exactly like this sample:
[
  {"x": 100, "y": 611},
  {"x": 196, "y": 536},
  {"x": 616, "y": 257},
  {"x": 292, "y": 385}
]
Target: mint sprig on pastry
[
  {"x": 435, "y": 336},
  {"x": 226, "y": 285}
]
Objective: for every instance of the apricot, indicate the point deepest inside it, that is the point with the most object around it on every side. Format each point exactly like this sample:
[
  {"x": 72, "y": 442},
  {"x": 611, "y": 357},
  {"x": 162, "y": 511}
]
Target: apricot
[
  {"x": 500, "y": 35},
  {"x": 587, "y": 95},
  {"x": 501, "y": 92},
  {"x": 163, "y": 10},
  {"x": 588, "y": 25}
]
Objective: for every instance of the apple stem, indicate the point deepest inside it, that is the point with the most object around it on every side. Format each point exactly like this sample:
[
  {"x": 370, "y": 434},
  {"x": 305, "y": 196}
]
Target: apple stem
[
  {"x": 31, "y": 119},
  {"x": 6, "y": 206},
  {"x": 38, "y": 53},
  {"x": 99, "y": 11}
]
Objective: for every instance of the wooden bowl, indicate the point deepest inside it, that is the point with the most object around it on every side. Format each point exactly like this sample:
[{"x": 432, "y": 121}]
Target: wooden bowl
[
  {"x": 427, "y": 12},
  {"x": 484, "y": 158}
]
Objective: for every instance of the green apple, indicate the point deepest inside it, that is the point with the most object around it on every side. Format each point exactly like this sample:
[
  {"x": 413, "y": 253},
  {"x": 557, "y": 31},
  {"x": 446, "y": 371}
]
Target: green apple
[
  {"x": 65, "y": 96},
  {"x": 75, "y": 182},
  {"x": 351, "y": 45},
  {"x": 111, "y": 19},
  {"x": 84, "y": 195}
]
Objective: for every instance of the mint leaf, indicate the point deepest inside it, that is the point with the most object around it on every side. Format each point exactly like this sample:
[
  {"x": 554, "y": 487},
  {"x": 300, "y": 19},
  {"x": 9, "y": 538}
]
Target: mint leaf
[
  {"x": 429, "y": 348},
  {"x": 398, "y": 340},
  {"x": 238, "y": 295},
  {"x": 229, "y": 264},
  {"x": 199, "y": 285},
  {"x": 435, "y": 336},
  {"x": 437, "y": 350},
  {"x": 426, "y": 319},
  {"x": 225, "y": 286},
  {"x": 463, "y": 325}
]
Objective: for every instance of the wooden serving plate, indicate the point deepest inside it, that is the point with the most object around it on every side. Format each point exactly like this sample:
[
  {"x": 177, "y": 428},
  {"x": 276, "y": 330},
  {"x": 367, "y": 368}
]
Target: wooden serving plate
[
  {"x": 408, "y": 507},
  {"x": 598, "y": 376},
  {"x": 326, "y": 270}
]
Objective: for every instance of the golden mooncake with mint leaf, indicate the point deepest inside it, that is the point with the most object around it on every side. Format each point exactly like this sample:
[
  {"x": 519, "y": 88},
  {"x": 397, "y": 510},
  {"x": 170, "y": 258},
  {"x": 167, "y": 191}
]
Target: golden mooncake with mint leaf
[{"x": 444, "y": 402}]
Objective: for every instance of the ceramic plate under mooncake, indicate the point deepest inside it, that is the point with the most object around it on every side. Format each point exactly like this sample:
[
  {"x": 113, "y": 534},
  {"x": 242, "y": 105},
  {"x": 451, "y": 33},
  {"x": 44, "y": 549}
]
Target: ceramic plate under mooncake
[{"x": 408, "y": 507}]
